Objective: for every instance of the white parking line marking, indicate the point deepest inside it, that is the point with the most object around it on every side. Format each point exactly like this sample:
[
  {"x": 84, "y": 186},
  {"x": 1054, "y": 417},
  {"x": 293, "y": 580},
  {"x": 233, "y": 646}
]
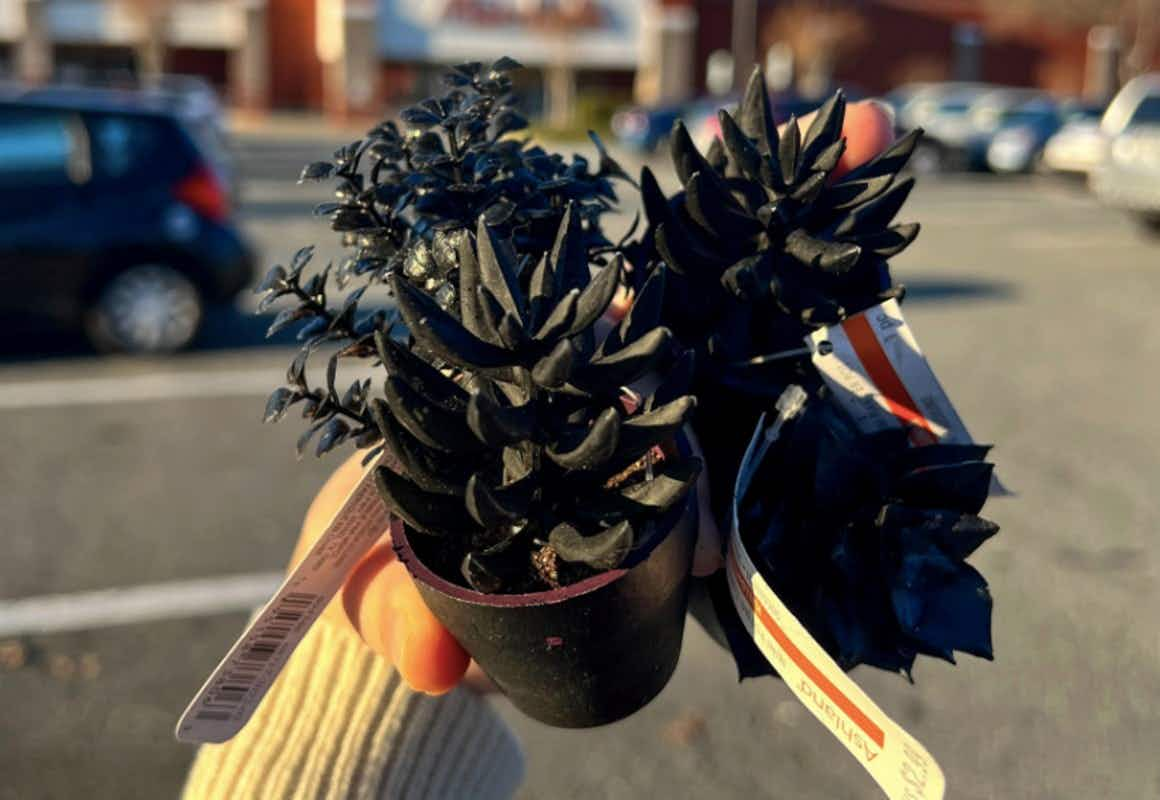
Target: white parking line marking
[
  {"x": 105, "y": 608},
  {"x": 151, "y": 387}
]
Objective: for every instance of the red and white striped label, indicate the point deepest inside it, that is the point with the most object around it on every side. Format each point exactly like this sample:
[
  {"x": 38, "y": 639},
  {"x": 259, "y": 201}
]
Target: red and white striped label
[
  {"x": 895, "y": 759},
  {"x": 878, "y": 374}
]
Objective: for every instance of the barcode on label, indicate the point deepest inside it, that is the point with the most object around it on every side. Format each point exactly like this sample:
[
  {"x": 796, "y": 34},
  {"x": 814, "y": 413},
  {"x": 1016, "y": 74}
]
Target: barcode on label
[
  {"x": 229, "y": 691},
  {"x": 235, "y": 689}
]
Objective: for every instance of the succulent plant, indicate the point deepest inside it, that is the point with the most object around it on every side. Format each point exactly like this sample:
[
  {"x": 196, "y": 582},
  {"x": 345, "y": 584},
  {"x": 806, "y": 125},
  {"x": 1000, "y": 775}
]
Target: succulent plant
[
  {"x": 764, "y": 247},
  {"x": 523, "y": 461},
  {"x": 450, "y": 161},
  {"x": 406, "y": 200},
  {"x": 865, "y": 539}
]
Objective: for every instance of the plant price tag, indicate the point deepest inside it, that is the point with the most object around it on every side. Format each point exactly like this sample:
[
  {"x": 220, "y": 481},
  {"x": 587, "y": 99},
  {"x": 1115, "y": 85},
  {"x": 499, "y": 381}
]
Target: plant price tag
[
  {"x": 879, "y": 376},
  {"x": 894, "y": 758},
  {"x": 233, "y": 692}
]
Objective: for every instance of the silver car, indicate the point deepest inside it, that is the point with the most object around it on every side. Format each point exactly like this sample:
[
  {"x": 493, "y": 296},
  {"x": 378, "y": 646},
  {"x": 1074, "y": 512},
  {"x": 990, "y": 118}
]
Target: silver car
[{"x": 1129, "y": 176}]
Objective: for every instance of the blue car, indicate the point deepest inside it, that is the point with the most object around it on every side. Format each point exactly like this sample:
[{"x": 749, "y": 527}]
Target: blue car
[
  {"x": 645, "y": 129},
  {"x": 114, "y": 220},
  {"x": 1018, "y": 142}
]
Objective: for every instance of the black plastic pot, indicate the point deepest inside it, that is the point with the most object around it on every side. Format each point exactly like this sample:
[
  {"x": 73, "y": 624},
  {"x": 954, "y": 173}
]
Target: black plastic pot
[{"x": 583, "y": 655}]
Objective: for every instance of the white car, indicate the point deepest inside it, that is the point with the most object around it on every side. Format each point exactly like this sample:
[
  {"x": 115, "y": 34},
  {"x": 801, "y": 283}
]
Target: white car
[
  {"x": 1077, "y": 148},
  {"x": 1129, "y": 175}
]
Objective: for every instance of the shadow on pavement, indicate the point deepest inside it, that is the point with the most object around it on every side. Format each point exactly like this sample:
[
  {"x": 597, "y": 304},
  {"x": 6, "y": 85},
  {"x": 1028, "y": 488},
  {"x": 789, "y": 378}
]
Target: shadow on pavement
[{"x": 938, "y": 290}]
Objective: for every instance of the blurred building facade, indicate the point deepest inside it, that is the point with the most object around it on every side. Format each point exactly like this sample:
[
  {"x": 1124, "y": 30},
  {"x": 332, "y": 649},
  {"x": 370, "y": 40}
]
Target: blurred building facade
[{"x": 354, "y": 56}]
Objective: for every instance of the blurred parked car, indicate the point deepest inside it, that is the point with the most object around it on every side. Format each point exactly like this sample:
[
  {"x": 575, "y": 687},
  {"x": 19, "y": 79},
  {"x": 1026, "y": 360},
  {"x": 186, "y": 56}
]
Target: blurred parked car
[
  {"x": 1078, "y": 147},
  {"x": 645, "y": 129},
  {"x": 959, "y": 119},
  {"x": 187, "y": 97},
  {"x": 112, "y": 219},
  {"x": 1018, "y": 144},
  {"x": 1129, "y": 177}
]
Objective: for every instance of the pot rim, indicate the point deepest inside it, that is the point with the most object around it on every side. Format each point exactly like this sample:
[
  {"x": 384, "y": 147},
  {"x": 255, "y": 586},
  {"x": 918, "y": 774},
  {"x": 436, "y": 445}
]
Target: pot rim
[
  {"x": 420, "y": 572},
  {"x": 685, "y": 512}
]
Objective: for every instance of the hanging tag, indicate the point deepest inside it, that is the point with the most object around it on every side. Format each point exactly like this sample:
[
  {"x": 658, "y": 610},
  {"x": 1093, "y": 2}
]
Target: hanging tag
[
  {"x": 236, "y": 687},
  {"x": 894, "y": 758},
  {"x": 880, "y": 378}
]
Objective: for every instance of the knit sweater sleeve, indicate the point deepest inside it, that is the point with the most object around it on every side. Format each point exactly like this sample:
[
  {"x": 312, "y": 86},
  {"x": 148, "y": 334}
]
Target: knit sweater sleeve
[{"x": 340, "y": 723}]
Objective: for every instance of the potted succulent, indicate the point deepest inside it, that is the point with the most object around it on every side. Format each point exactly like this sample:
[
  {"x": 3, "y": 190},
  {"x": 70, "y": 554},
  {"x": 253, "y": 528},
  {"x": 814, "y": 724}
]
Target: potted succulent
[
  {"x": 862, "y": 536},
  {"x": 764, "y": 246},
  {"x": 866, "y": 539},
  {"x": 541, "y": 503}
]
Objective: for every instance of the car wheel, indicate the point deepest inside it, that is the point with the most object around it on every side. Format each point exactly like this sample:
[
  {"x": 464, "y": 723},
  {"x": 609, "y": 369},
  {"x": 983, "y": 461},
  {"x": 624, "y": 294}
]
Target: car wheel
[
  {"x": 927, "y": 159},
  {"x": 150, "y": 308}
]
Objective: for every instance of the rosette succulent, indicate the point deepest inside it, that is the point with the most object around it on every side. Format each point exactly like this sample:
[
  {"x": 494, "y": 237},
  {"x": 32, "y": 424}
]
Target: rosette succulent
[
  {"x": 865, "y": 539},
  {"x": 521, "y": 461},
  {"x": 765, "y": 246}
]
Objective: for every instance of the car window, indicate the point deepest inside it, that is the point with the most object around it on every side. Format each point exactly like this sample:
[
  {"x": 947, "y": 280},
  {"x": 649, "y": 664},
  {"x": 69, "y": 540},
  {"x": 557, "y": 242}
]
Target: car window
[
  {"x": 1148, "y": 112},
  {"x": 128, "y": 146},
  {"x": 38, "y": 148}
]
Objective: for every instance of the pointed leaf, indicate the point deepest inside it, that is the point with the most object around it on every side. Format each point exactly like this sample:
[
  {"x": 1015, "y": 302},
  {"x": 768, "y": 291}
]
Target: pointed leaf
[
  {"x": 555, "y": 369},
  {"x": 562, "y": 318},
  {"x": 889, "y": 242},
  {"x": 605, "y": 374},
  {"x": 569, "y": 256},
  {"x": 317, "y": 171},
  {"x": 687, "y": 160},
  {"x": 493, "y": 508},
  {"x": 592, "y": 447},
  {"x": 877, "y": 213},
  {"x": 756, "y": 114},
  {"x": 441, "y": 333},
  {"x": 712, "y": 207},
  {"x": 334, "y": 433},
  {"x": 835, "y": 257},
  {"x": 669, "y": 485},
  {"x": 741, "y": 150},
  {"x": 430, "y": 424},
  {"x": 788, "y": 151},
  {"x": 277, "y": 404},
  {"x": 497, "y": 270},
  {"x": 427, "y": 468},
  {"x": 426, "y": 512},
  {"x": 497, "y": 425},
  {"x": 890, "y": 161},
  {"x": 644, "y": 315},
  {"x": 601, "y": 551},
  {"x": 825, "y": 130},
  {"x": 963, "y": 487},
  {"x": 287, "y": 317},
  {"x": 421, "y": 376}
]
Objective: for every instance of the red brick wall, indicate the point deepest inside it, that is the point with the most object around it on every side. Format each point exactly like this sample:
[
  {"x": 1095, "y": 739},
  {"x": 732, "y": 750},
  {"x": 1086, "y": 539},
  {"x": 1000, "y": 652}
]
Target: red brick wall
[
  {"x": 912, "y": 40},
  {"x": 295, "y": 71}
]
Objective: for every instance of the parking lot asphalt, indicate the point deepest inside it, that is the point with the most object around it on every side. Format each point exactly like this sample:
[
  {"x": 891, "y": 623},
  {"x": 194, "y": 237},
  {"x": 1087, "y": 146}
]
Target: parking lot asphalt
[{"x": 1035, "y": 306}]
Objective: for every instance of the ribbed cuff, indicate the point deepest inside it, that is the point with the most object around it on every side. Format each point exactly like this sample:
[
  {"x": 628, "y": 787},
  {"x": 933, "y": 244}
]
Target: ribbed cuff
[{"x": 340, "y": 723}]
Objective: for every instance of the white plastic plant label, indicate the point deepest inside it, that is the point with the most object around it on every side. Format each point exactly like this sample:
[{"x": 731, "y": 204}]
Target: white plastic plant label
[
  {"x": 895, "y": 759},
  {"x": 880, "y": 378},
  {"x": 236, "y": 687}
]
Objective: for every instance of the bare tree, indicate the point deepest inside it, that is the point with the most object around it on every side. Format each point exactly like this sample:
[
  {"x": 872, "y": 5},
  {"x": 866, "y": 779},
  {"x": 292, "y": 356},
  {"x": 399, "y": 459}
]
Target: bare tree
[
  {"x": 1135, "y": 20},
  {"x": 153, "y": 45},
  {"x": 822, "y": 34}
]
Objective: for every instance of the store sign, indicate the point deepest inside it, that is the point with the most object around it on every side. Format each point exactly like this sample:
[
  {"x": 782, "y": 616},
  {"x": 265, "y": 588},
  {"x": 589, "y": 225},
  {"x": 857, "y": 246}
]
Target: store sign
[{"x": 583, "y": 33}]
